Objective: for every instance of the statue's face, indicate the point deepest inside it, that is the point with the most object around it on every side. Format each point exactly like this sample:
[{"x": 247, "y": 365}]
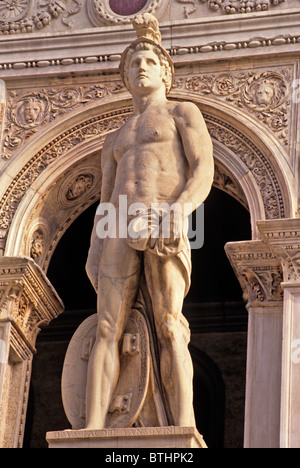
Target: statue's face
[{"x": 145, "y": 72}]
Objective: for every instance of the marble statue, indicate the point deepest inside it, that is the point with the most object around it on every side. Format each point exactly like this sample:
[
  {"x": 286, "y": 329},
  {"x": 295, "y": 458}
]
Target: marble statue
[{"x": 161, "y": 157}]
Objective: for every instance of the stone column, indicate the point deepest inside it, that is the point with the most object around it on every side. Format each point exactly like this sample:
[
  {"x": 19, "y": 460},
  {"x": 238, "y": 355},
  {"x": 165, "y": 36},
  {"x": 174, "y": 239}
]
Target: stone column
[
  {"x": 283, "y": 236},
  {"x": 27, "y": 303},
  {"x": 259, "y": 273}
]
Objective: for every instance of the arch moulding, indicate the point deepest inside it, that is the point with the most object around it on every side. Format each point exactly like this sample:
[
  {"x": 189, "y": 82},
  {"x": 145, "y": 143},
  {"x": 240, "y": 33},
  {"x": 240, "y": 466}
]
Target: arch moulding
[{"x": 57, "y": 176}]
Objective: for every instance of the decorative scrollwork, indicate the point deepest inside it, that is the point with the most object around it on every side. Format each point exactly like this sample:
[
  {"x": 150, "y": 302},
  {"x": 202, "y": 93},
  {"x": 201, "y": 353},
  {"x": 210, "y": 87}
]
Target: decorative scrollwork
[
  {"x": 264, "y": 94},
  {"x": 28, "y": 112}
]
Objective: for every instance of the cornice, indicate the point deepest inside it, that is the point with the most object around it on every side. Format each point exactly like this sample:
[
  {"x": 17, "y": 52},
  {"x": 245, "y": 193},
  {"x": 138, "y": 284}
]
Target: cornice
[{"x": 99, "y": 49}]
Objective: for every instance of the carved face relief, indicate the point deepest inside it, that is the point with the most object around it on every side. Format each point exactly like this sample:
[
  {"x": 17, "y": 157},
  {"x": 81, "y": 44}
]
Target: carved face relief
[
  {"x": 30, "y": 112},
  {"x": 37, "y": 245},
  {"x": 264, "y": 94},
  {"x": 79, "y": 186}
]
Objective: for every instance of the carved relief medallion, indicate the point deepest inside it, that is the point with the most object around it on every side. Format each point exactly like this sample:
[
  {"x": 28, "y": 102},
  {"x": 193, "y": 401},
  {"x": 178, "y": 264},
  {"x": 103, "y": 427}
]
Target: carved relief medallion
[
  {"x": 14, "y": 10},
  {"x": 118, "y": 11},
  {"x": 31, "y": 111},
  {"x": 79, "y": 186}
]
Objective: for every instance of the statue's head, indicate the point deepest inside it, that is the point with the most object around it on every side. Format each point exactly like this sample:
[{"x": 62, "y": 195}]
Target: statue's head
[{"x": 148, "y": 39}]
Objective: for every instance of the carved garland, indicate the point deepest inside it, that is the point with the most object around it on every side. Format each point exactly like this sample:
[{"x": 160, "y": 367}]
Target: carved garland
[
  {"x": 14, "y": 20},
  {"x": 230, "y": 7}
]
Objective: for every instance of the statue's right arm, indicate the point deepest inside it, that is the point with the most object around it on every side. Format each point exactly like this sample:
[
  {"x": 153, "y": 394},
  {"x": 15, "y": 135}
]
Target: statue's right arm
[{"x": 108, "y": 167}]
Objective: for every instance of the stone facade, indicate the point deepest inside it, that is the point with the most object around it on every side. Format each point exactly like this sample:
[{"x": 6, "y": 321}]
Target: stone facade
[{"x": 61, "y": 94}]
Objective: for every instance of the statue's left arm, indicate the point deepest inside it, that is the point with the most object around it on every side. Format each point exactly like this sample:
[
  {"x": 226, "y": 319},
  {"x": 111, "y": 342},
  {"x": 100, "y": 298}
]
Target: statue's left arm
[{"x": 198, "y": 150}]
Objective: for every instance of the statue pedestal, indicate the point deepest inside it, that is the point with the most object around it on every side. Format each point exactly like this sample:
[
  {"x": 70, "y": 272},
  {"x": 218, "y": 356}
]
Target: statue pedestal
[{"x": 136, "y": 437}]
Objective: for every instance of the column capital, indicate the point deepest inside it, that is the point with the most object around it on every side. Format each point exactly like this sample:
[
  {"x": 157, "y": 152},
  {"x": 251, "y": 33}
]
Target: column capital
[
  {"x": 27, "y": 300},
  {"x": 283, "y": 237},
  {"x": 258, "y": 271}
]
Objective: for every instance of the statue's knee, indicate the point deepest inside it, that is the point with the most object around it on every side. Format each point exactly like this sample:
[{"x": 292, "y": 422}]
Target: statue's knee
[
  {"x": 105, "y": 329},
  {"x": 168, "y": 328}
]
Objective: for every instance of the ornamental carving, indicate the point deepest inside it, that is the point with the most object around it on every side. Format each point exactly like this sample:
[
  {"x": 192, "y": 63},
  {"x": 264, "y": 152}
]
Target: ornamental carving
[
  {"x": 119, "y": 11},
  {"x": 230, "y": 7},
  {"x": 28, "y": 112},
  {"x": 284, "y": 239},
  {"x": 26, "y": 299},
  {"x": 98, "y": 127},
  {"x": 79, "y": 186},
  {"x": 258, "y": 271},
  {"x": 14, "y": 10},
  {"x": 37, "y": 244},
  {"x": 264, "y": 94},
  {"x": 223, "y": 180},
  {"x": 256, "y": 162},
  {"x": 262, "y": 284},
  {"x": 19, "y": 17}
]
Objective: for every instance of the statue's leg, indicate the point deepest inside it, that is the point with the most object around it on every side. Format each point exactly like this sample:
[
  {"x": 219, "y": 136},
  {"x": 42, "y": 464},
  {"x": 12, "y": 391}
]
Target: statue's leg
[
  {"x": 166, "y": 287},
  {"x": 119, "y": 274}
]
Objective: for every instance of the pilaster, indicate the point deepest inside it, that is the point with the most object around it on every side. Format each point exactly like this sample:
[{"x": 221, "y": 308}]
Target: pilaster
[
  {"x": 283, "y": 236},
  {"x": 259, "y": 273},
  {"x": 27, "y": 303}
]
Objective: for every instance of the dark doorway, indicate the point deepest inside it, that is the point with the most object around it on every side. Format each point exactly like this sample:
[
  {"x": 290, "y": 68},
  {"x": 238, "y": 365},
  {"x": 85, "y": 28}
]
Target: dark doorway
[{"x": 213, "y": 281}]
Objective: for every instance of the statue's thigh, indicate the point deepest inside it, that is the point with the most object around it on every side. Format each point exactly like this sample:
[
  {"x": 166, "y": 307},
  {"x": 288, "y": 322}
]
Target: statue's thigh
[{"x": 166, "y": 285}]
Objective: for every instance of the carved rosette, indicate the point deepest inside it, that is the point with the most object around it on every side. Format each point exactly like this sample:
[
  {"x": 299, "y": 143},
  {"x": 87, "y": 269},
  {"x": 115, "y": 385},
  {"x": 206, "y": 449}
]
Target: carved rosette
[
  {"x": 27, "y": 300},
  {"x": 14, "y": 10},
  {"x": 258, "y": 271}
]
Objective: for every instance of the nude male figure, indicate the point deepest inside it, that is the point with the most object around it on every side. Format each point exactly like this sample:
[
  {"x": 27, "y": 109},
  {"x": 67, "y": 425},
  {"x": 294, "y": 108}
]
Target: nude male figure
[{"x": 163, "y": 153}]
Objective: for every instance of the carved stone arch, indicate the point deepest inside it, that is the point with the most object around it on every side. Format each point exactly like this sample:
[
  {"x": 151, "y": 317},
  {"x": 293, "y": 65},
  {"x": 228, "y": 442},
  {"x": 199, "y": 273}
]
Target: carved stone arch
[
  {"x": 255, "y": 160},
  {"x": 39, "y": 201},
  {"x": 58, "y": 182}
]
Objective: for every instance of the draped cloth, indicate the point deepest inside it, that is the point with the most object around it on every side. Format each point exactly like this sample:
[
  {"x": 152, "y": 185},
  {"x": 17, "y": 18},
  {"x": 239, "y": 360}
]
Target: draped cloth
[{"x": 150, "y": 230}]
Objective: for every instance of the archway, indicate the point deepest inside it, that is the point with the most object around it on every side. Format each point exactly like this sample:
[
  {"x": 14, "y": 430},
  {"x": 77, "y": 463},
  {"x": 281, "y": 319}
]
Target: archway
[
  {"x": 214, "y": 306},
  {"x": 56, "y": 177},
  {"x": 250, "y": 165}
]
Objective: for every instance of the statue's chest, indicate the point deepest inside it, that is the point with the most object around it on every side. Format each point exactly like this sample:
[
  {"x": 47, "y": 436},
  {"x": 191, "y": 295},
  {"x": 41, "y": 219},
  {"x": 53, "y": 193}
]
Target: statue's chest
[
  {"x": 149, "y": 128},
  {"x": 155, "y": 127}
]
